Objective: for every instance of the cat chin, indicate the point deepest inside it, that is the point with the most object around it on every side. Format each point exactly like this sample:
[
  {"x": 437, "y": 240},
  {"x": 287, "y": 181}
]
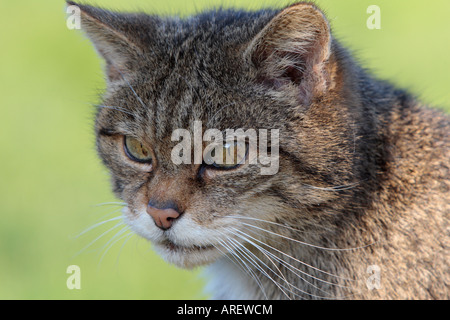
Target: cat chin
[{"x": 187, "y": 257}]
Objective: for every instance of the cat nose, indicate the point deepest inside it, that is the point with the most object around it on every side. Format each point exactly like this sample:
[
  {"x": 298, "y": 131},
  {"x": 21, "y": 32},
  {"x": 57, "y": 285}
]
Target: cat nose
[{"x": 163, "y": 215}]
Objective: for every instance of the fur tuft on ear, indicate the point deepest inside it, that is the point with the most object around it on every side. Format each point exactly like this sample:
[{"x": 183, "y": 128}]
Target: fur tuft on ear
[
  {"x": 294, "y": 48},
  {"x": 120, "y": 38}
]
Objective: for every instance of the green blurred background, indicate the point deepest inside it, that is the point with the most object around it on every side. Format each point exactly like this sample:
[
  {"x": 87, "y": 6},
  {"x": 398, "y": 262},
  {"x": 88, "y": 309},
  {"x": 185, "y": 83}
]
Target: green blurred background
[{"x": 52, "y": 182}]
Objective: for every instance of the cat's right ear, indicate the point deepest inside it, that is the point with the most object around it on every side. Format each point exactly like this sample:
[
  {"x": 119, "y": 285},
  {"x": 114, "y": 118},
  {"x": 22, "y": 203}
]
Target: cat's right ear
[
  {"x": 293, "y": 51},
  {"x": 120, "y": 38}
]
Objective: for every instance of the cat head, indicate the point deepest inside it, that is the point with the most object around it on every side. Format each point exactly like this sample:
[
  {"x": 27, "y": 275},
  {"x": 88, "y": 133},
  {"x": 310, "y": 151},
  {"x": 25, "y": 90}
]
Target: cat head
[{"x": 274, "y": 70}]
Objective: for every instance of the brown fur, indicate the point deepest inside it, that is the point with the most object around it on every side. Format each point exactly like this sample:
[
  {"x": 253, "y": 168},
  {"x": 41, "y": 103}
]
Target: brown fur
[{"x": 362, "y": 164}]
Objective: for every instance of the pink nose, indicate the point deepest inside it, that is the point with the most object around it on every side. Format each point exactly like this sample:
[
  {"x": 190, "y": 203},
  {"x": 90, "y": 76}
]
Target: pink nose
[{"x": 163, "y": 218}]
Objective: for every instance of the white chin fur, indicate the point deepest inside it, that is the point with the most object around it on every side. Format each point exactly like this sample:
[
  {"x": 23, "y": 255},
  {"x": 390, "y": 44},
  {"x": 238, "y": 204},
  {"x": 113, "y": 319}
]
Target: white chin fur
[
  {"x": 187, "y": 258},
  {"x": 190, "y": 243}
]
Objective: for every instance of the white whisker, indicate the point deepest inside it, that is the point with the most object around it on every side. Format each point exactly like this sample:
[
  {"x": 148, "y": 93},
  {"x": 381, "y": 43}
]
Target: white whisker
[
  {"x": 97, "y": 225},
  {"x": 121, "y": 204},
  {"x": 253, "y": 262},
  {"x": 242, "y": 265},
  {"x": 290, "y": 267},
  {"x": 247, "y": 252},
  {"x": 293, "y": 229},
  {"x": 99, "y": 237},
  {"x": 239, "y": 263},
  {"x": 130, "y": 235},
  {"x": 335, "y": 188},
  {"x": 112, "y": 241},
  {"x": 266, "y": 254},
  {"x": 291, "y": 257}
]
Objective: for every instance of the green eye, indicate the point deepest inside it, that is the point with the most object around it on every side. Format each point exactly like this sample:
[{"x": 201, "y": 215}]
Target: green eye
[
  {"x": 136, "y": 151},
  {"x": 227, "y": 156}
]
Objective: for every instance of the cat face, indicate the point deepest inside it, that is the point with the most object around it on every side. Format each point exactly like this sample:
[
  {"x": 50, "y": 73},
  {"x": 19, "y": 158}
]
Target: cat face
[
  {"x": 136, "y": 144},
  {"x": 265, "y": 70}
]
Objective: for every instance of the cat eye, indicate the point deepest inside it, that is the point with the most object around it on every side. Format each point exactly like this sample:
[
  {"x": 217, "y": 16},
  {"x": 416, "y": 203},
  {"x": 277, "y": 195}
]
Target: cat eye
[
  {"x": 136, "y": 151},
  {"x": 227, "y": 156}
]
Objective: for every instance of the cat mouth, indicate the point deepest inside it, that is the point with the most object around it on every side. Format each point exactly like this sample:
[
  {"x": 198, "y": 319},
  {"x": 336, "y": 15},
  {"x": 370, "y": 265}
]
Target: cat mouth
[
  {"x": 176, "y": 248},
  {"x": 187, "y": 257}
]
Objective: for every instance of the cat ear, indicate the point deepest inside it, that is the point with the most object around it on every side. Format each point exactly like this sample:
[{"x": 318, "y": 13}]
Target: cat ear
[
  {"x": 294, "y": 49},
  {"x": 119, "y": 38}
]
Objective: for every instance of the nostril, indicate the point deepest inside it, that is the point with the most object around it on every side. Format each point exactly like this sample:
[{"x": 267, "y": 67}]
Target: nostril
[{"x": 163, "y": 218}]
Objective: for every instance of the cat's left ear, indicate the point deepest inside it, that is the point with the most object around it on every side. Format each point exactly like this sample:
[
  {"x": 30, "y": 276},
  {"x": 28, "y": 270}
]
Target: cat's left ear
[
  {"x": 293, "y": 51},
  {"x": 122, "y": 39}
]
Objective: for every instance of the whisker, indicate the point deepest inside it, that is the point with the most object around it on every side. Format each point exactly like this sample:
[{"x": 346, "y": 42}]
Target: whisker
[
  {"x": 110, "y": 213},
  {"x": 290, "y": 267},
  {"x": 293, "y": 229},
  {"x": 239, "y": 263},
  {"x": 99, "y": 237},
  {"x": 121, "y": 204},
  {"x": 291, "y": 286},
  {"x": 112, "y": 241},
  {"x": 247, "y": 252},
  {"x": 267, "y": 253},
  {"x": 243, "y": 238},
  {"x": 242, "y": 265},
  {"x": 299, "y": 261},
  {"x": 97, "y": 225},
  {"x": 253, "y": 262},
  {"x": 130, "y": 235},
  {"x": 335, "y": 188}
]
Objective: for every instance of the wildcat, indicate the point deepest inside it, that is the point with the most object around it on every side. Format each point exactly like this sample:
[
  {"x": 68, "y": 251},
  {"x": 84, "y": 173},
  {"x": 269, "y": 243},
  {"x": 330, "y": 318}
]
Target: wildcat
[{"x": 358, "y": 208}]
